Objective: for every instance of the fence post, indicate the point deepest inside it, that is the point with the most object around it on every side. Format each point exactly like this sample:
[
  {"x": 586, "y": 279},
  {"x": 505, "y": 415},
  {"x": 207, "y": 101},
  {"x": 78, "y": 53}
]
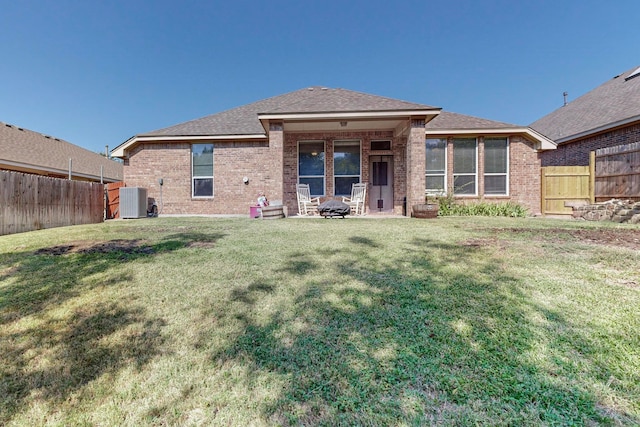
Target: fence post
[
  {"x": 592, "y": 177},
  {"x": 543, "y": 191}
]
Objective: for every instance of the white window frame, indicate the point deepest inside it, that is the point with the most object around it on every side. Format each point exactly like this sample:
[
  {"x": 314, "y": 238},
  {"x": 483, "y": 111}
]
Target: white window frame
[
  {"x": 505, "y": 174},
  {"x": 193, "y": 177},
  {"x": 324, "y": 175},
  {"x": 475, "y": 174},
  {"x": 444, "y": 176},
  {"x": 345, "y": 142}
]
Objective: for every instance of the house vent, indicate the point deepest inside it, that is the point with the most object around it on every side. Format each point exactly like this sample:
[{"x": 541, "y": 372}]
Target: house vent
[
  {"x": 636, "y": 73},
  {"x": 133, "y": 202}
]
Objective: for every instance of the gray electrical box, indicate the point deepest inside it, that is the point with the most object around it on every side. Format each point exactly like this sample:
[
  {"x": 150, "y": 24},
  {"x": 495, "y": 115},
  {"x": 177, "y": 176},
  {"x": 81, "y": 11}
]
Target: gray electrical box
[{"x": 133, "y": 202}]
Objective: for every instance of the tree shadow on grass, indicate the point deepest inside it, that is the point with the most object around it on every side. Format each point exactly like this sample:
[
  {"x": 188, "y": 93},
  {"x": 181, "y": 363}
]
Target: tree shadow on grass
[
  {"x": 47, "y": 362},
  {"x": 48, "y": 354},
  {"x": 441, "y": 335},
  {"x": 35, "y": 280}
]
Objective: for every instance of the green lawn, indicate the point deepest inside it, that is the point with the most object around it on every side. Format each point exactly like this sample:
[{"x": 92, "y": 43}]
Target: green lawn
[{"x": 201, "y": 321}]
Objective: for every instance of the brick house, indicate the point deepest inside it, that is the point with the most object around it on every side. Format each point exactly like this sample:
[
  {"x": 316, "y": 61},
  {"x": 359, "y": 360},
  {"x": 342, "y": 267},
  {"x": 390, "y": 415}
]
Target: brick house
[
  {"x": 26, "y": 151},
  {"x": 608, "y": 115},
  {"x": 331, "y": 138}
]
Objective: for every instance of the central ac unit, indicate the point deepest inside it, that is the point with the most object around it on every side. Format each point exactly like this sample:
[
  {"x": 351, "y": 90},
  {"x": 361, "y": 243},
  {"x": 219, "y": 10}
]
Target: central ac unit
[{"x": 133, "y": 202}]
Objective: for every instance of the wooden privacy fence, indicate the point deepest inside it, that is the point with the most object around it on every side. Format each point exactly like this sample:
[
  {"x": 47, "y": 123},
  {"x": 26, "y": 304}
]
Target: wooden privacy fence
[
  {"x": 113, "y": 200},
  {"x": 32, "y": 202},
  {"x": 618, "y": 172},
  {"x": 613, "y": 173},
  {"x": 563, "y": 186}
]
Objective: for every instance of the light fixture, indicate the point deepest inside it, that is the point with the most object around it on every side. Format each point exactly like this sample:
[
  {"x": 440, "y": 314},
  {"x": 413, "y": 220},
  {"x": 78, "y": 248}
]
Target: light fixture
[
  {"x": 245, "y": 179},
  {"x": 343, "y": 124}
]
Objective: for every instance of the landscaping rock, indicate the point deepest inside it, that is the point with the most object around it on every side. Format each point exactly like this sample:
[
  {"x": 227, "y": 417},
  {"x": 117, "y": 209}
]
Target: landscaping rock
[{"x": 612, "y": 210}]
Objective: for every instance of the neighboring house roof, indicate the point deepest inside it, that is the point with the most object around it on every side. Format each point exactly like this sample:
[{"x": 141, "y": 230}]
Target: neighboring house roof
[
  {"x": 32, "y": 152},
  {"x": 460, "y": 124},
  {"x": 313, "y": 100},
  {"x": 612, "y": 104}
]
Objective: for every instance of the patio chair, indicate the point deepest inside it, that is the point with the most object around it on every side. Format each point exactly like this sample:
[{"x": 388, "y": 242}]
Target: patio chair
[
  {"x": 356, "y": 201},
  {"x": 306, "y": 204}
]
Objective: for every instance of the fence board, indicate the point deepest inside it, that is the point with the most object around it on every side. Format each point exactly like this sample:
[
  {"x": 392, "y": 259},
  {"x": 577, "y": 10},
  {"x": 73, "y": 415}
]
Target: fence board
[
  {"x": 562, "y": 185},
  {"x": 618, "y": 172},
  {"x": 32, "y": 202},
  {"x": 113, "y": 200}
]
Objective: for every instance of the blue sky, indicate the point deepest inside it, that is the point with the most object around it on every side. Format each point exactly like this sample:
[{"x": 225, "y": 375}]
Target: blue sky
[{"x": 98, "y": 72}]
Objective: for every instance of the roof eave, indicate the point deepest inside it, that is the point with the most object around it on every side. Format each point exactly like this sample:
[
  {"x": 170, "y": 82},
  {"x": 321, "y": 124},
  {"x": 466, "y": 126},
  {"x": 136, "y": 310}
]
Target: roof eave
[
  {"x": 349, "y": 114},
  {"x": 120, "y": 150},
  {"x": 542, "y": 142},
  {"x": 266, "y": 118},
  {"x": 598, "y": 129},
  {"x": 36, "y": 169}
]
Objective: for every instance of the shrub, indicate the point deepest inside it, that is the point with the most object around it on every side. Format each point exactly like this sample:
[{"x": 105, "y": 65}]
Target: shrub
[{"x": 449, "y": 207}]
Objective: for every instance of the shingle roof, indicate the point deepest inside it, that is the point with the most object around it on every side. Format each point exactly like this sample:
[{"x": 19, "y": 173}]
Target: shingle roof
[
  {"x": 614, "y": 101},
  {"x": 28, "y": 149},
  {"x": 452, "y": 121},
  {"x": 244, "y": 120}
]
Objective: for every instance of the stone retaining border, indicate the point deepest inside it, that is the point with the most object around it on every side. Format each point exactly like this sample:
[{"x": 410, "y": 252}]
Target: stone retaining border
[{"x": 613, "y": 210}]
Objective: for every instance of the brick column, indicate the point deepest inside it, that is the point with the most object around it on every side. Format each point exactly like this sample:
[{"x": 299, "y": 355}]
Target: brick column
[
  {"x": 416, "y": 166},
  {"x": 275, "y": 179}
]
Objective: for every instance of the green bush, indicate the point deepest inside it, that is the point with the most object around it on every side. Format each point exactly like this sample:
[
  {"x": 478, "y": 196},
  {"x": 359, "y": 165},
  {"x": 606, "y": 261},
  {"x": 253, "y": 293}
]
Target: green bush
[{"x": 449, "y": 207}]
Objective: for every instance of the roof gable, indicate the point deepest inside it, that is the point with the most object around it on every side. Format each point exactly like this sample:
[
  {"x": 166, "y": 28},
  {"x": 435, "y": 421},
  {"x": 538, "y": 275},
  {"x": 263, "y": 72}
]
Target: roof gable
[
  {"x": 455, "y": 121},
  {"x": 447, "y": 123},
  {"x": 611, "y": 103},
  {"x": 244, "y": 120}
]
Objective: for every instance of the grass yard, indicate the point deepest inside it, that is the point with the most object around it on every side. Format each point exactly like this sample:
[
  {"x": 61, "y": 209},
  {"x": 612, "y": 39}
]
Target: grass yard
[{"x": 201, "y": 321}]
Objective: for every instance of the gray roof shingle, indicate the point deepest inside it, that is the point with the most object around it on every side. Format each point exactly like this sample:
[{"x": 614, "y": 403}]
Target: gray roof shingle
[
  {"x": 452, "y": 121},
  {"x": 244, "y": 120},
  {"x": 616, "y": 100},
  {"x": 49, "y": 154}
]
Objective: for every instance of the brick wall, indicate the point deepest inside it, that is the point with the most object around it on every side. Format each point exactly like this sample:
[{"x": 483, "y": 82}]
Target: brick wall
[
  {"x": 524, "y": 179},
  {"x": 415, "y": 173},
  {"x": 524, "y": 174},
  {"x": 232, "y": 161},
  {"x": 291, "y": 161},
  {"x": 171, "y": 161},
  {"x": 576, "y": 153}
]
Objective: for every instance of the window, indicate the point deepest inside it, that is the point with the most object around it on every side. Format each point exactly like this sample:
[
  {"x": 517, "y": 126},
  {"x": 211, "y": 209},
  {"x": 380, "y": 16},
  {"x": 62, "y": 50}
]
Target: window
[
  {"x": 436, "y": 165},
  {"x": 464, "y": 166},
  {"x": 346, "y": 166},
  {"x": 380, "y": 145},
  {"x": 311, "y": 166},
  {"x": 202, "y": 170},
  {"x": 496, "y": 166}
]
